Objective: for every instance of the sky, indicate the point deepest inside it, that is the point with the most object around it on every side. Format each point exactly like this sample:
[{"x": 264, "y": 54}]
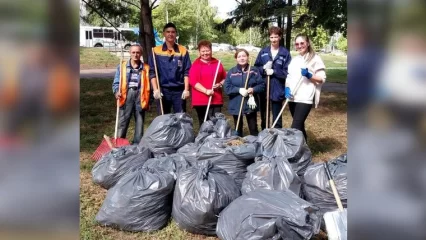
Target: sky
[{"x": 223, "y": 6}]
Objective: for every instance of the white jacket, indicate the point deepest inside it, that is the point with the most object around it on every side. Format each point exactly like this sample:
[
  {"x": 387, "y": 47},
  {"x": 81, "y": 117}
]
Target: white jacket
[{"x": 307, "y": 89}]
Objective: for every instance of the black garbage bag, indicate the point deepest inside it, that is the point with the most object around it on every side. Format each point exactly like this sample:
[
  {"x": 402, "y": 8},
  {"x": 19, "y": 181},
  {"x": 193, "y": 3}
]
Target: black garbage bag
[
  {"x": 189, "y": 151},
  {"x": 268, "y": 214},
  {"x": 140, "y": 201},
  {"x": 232, "y": 154},
  {"x": 201, "y": 193},
  {"x": 289, "y": 143},
  {"x": 217, "y": 127},
  {"x": 112, "y": 166},
  {"x": 271, "y": 173},
  {"x": 173, "y": 164},
  {"x": 167, "y": 133},
  {"x": 316, "y": 187}
]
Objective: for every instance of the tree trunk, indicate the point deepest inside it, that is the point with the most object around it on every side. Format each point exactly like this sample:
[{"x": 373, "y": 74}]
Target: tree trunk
[
  {"x": 289, "y": 26},
  {"x": 146, "y": 30},
  {"x": 281, "y": 25}
]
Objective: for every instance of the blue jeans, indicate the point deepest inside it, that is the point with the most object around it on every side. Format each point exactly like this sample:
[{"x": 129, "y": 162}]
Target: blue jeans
[{"x": 172, "y": 98}]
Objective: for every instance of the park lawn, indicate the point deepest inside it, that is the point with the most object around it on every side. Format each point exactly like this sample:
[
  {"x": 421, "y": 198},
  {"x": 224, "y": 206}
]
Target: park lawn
[
  {"x": 97, "y": 58},
  {"x": 327, "y": 138},
  {"x": 337, "y": 75}
]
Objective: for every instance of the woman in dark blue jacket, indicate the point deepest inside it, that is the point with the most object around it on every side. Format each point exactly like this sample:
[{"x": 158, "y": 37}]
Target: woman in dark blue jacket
[
  {"x": 235, "y": 89},
  {"x": 273, "y": 61}
]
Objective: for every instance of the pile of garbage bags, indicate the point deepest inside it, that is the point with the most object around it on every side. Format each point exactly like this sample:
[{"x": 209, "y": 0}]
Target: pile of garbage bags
[
  {"x": 273, "y": 173},
  {"x": 167, "y": 133},
  {"x": 217, "y": 127},
  {"x": 216, "y": 183},
  {"x": 316, "y": 187},
  {"x": 289, "y": 143},
  {"x": 112, "y": 166},
  {"x": 232, "y": 154},
  {"x": 268, "y": 214},
  {"x": 201, "y": 193},
  {"x": 140, "y": 201}
]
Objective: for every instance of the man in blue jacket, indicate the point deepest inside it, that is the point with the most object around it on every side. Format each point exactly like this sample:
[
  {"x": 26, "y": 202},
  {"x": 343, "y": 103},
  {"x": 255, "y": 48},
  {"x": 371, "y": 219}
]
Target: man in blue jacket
[
  {"x": 173, "y": 64},
  {"x": 273, "y": 61}
]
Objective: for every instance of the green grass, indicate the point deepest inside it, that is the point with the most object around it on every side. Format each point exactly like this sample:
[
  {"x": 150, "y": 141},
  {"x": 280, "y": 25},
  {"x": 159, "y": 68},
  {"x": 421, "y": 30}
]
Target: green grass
[
  {"x": 97, "y": 58},
  {"x": 337, "y": 75},
  {"x": 327, "y": 138}
]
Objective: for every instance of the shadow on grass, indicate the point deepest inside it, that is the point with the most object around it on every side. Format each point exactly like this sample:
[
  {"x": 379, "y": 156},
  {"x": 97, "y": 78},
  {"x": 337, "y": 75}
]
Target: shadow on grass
[{"x": 320, "y": 145}]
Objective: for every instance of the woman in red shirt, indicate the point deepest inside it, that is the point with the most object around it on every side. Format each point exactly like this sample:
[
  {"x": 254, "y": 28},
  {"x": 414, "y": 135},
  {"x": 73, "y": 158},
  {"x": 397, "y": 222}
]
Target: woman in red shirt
[{"x": 201, "y": 76}]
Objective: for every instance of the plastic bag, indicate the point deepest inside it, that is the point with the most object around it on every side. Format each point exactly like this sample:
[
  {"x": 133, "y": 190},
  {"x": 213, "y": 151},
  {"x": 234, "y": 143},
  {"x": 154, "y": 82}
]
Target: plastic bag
[
  {"x": 289, "y": 143},
  {"x": 271, "y": 173},
  {"x": 201, "y": 193},
  {"x": 217, "y": 127},
  {"x": 167, "y": 133},
  {"x": 233, "y": 155},
  {"x": 173, "y": 164},
  {"x": 316, "y": 187},
  {"x": 112, "y": 166},
  {"x": 140, "y": 201},
  {"x": 268, "y": 214},
  {"x": 189, "y": 151}
]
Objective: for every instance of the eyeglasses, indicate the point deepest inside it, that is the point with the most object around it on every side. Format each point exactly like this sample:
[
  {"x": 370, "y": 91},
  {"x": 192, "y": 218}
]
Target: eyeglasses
[{"x": 301, "y": 44}]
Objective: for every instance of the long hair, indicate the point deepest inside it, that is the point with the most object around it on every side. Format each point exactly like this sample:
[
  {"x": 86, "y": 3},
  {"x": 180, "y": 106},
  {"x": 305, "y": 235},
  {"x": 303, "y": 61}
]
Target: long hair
[{"x": 311, "y": 51}]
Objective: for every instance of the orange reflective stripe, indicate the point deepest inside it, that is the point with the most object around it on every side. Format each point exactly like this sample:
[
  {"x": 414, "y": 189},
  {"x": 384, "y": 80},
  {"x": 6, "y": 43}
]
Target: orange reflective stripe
[
  {"x": 123, "y": 85},
  {"x": 146, "y": 87},
  {"x": 144, "y": 82}
]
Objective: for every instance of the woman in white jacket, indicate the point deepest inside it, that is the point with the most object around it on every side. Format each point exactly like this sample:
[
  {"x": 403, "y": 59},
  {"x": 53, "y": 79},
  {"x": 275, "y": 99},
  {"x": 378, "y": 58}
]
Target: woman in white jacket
[{"x": 306, "y": 74}]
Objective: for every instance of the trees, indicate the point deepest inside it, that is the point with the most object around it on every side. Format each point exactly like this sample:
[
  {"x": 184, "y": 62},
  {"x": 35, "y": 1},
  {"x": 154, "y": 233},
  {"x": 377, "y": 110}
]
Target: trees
[
  {"x": 115, "y": 12},
  {"x": 342, "y": 44},
  {"x": 261, "y": 14}
]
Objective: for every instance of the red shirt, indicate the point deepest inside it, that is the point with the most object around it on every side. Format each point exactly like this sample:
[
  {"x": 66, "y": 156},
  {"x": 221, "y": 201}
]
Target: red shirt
[{"x": 203, "y": 73}]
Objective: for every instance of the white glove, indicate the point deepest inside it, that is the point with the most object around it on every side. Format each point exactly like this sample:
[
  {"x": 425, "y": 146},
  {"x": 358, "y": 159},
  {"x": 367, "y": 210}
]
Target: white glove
[
  {"x": 243, "y": 92},
  {"x": 269, "y": 72},
  {"x": 268, "y": 65},
  {"x": 185, "y": 94},
  {"x": 251, "y": 102},
  {"x": 157, "y": 94}
]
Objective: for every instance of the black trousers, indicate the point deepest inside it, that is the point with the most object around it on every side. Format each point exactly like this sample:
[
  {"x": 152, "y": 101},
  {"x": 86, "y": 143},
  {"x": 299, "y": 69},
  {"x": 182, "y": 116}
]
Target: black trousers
[
  {"x": 201, "y": 112},
  {"x": 299, "y": 112},
  {"x": 251, "y": 121},
  {"x": 274, "y": 106}
]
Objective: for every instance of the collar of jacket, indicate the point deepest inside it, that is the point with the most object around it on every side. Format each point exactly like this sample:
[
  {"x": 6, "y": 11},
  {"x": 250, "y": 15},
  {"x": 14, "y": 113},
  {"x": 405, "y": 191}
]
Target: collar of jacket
[
  {"x": 281, "y": 51},
  {"x": 129, "y": 65},
  {"x": 175, "y": 47},
  {"x": 240, "y": 68}
]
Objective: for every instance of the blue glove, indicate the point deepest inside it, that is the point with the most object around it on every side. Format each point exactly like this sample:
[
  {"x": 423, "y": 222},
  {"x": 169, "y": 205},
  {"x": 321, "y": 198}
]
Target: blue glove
[
  {"x": 287, "y": 93},
  {"x": 306, "y": 73}
]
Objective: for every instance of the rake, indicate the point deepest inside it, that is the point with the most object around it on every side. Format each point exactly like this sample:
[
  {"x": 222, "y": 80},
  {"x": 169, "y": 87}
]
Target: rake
[{"x": 107, "y": 145}]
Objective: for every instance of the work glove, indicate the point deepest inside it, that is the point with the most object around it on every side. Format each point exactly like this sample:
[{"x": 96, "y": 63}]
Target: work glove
[
  {"x": 251, "y": 103},
  {"x": 269, "y": 72},
  {"x": 243, "y": 92},
  {"x": 157, "y": 94},
  {"x": 287, "y": 93},
  {"x": 185, "y": 94},
  {"x": 268, "y": 65},
  {"x": 306, "y": 73},
  {"x": 209, "y": 92}
]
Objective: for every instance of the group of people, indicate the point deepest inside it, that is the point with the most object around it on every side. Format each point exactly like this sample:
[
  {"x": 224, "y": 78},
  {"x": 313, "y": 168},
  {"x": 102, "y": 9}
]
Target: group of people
[{"x": 171, "y": 78}]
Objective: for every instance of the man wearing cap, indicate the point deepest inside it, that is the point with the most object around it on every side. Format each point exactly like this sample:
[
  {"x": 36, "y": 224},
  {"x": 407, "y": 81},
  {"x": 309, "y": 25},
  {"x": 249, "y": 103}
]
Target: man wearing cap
[
  {"x": 173, "y": 64},
  {"x": 132, "y": 92}
]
